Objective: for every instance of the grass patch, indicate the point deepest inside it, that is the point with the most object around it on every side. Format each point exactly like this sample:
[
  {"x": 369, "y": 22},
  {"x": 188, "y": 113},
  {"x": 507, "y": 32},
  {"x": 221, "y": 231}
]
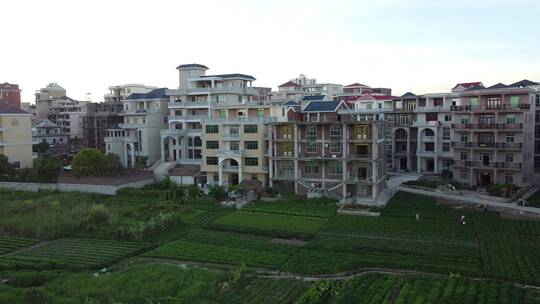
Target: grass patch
[{"x": 320, "y": 207}]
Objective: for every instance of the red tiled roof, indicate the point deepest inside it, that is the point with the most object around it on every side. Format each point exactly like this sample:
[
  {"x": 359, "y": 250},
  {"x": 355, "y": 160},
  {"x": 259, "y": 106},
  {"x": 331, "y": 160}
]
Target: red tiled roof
[
  {"x": 351, "y": 98},
  {"x": 469, "y": 84},
  {"x": 289, "y": 84},
  {"x": 356, "y": 84},
  {"x": 8, "y": 86},
  {"x": 9, "y": 109}
]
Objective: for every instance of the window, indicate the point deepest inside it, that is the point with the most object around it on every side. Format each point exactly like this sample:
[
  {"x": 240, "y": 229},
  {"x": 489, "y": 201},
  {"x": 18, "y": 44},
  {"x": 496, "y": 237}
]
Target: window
[
  {"x": 464, "y": 137},
  {"x": 361, "y": 132},
  {"x": 223, "y": 113},
  {"x": 474, "y": 102},
  {"x": 446, "y": 147},
  {"x": 446, "y": 133},
  {"x": 212, "y": 144},
  {"x": 165, "y": 119},
  {"x": 509, "y": 178},
  {"x": 251, "y": 161},
  {"x": 144, "y": 120},
  {"x": 212, "y": 129},
  {"x": 465, "y": 119},
  {"x": 447, "y": 117},
  {"x": 509, "y": 158},
  {"x": 510, "y": 138},
  {"x": 486, "y": 138},
  {"x": 464, "y": 156},
  {"x": 464, "y": 174},
  {"x": 251, "y": 145},
  {"x": 438, "y": 102},
  {"x": 288, "y": 132},
  {"x": 311, "y": 168},
  {"x": 287, "y": 149},
  {"x": 311, "y": 135},
  {"x": 514, "y": 101},
  {"x": 250, "y": 128},
  {"x": 335, "y": 138},
  {"x": 335, "y": 168},
  {"x": 432, "y": 117},
  {"x": 422, "y": 102},
  {"x": 211, "y": 161},
  {"x": 221, "y": 98},
  {"x": 235, "y": 146},
  {"x": 260, "y": 113},
  {"x": 511, "y": 119}
]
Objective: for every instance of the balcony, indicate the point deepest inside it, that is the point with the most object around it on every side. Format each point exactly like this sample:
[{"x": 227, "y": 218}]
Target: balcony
[
  {"x": 230, "y": 153},
  {"x": 360, "y": 156},
  {"x": 487, "y": 145},
  {"x": 188, "y": 104},
  {"x": 229, "y": 168},
  {"x": 187, "y": 118},
  {"x": 490, "y": 165},
  {"x": 503, "y": 107},
  {"x": 428, "y": 138},
  {"x": 237, "y": 120},
  {"x": 231, "y": 136},
  {"x": 499, "y": 126}
]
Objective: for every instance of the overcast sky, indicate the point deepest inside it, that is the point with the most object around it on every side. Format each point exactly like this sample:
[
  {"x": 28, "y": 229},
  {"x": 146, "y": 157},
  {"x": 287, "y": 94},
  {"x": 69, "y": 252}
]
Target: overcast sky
[{"x": 421, "y": 46}]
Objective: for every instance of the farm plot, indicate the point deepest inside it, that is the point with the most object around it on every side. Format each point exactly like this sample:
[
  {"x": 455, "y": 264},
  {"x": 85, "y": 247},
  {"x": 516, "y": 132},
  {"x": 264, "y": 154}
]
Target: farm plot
[
  {"x": 401, "y": 227},
  {"x": 266, "y": 290},
  {"x": 406, "y": 205},
  {"x": 9, "y": 243},
  {"x": 342, "y": 253},
  {"x": 322, "y": 207},
  {"x": 265, "y": 223},
  {"x": 226, "y": 247},
  {"x": 75, "y": 253}
]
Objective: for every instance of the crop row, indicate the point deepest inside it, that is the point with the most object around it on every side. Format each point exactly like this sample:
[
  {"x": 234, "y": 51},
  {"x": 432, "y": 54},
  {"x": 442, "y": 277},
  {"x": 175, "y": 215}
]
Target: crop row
[
  {"x": 405, "y": 204},
  {"x": 254, "y": 221},
  {"x": 299, "y": 208},
  {"x": 77, "y": 253},
  {"x": 9, "y": 243},
  {"x": 267, "y": 290}
]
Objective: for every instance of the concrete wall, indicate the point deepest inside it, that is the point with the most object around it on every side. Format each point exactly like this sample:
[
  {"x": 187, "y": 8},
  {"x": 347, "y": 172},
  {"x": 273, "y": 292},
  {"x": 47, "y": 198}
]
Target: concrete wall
[
  {"x": 16, "y": 138},
  {"x": 101, "y": 189}
]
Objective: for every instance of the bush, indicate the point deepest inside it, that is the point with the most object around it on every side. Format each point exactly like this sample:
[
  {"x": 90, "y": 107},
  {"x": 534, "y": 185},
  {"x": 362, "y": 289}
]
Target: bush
[
  {"x": 91, "y": 162},
  {"x": 218, "y": 193},
  {"x": 141, "y": 162},
  {"x": 502, "y": 190},
  {"x": 5, "y": 166},
  {"x": 98, "y": 214},
  {"x": 47, "y": 168},
  {"x": 113, "y": 166}
]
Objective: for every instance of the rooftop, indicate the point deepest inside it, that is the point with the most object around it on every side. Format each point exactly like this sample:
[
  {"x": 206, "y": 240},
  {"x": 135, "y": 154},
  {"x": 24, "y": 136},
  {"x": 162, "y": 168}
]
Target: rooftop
[
  {"x": 313, "y": 97},
  {"x": 191, "y": 65},
  {"x": 356, "y": 84},
  {"x": 154, "y": 94},
  {"x": 289, "y": 84},
  {"x": 9, "y": 109},
  {"x": 322, "y": 106},
  {"x": 235, "y": 75}
]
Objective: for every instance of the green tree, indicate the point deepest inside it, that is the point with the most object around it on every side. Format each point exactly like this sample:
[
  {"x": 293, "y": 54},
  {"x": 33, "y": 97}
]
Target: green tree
[
  {"x": 41, "y": 148},
  {"x": 47, "y": 168},
  {"x": 113, "y": 166},
  {"x": 5, "y": 167},
  {"x": 89, "y": 162},
  {"x": 218, "y": 192}
]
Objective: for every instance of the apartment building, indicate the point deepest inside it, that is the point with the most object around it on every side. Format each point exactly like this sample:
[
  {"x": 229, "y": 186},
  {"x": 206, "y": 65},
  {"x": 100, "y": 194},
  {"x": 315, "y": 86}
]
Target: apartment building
[
  {"x": 45, "y": 98},
  {"x": 10, "y": 94},
  {"x": 98, "y": 118},
  {"x": 120, "y": 92},
  {"x": 327, "y": 147},
  {"x": 16, "y": 135},
  {"x": 421, "y": 133},
  {"x": 289, "y": 91},
  {"x": 493, "y": 135},
  {"x": 29, "y": 108},
  {"x": 200, "y": 97},
  {"x": 303, "y": 80},
  {"x": 137, "y": 139}
]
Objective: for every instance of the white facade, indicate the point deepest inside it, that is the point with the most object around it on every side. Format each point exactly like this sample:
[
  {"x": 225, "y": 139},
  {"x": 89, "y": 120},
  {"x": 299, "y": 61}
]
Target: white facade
[{"x": 44, "y": 130}]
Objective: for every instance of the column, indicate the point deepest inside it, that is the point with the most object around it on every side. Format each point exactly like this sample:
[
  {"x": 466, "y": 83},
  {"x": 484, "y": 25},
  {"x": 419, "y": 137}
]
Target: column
[
  {"x": 418, "y": 149},
  {"x": 178, "y": 147},
  {"x": 220, "y": 172},
  {"x": 125, "y": 155},
  {"x": 240, "y": 173},
  {"x": 271, "y": 150},
  {"x": 132, "y": 155},
  {"x": 345, "y": 145},
  {"x": 162, "y": 149},
  {"x": 409, "y": 165}
]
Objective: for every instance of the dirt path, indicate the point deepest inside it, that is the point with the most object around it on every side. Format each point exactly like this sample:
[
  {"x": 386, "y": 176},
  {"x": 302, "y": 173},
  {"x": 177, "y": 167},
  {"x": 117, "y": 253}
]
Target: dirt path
[{"x": 40, "y": 244}]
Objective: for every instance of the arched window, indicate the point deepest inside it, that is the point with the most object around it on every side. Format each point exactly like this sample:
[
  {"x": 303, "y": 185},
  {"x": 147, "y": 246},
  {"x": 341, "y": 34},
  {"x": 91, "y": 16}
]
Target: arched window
[
  {"x": 430, "y": 132},
  {"x": 197, "y": 141}
]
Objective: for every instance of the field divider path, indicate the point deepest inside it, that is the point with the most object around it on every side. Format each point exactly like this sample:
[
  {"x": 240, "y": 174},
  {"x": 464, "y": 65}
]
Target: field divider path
[
  {"x": 40, "y": 244},
  {"x": 270, "y": 273},
  {"x": 370, "y": 237}
]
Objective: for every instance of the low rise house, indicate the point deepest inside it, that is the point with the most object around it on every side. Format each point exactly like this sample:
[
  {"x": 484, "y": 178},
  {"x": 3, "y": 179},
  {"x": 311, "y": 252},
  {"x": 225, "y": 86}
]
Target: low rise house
[{"x": 16, "y": 135}]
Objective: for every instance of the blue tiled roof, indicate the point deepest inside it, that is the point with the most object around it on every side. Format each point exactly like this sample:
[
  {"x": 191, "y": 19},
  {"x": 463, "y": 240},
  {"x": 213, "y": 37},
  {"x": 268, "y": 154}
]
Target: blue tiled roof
[
  {"x": 498, "y": 86},
  {"x": 290, "y": 103},
  {"x": 154, "y": 94},
  {"x": 321, "y": 106},
  {"x": 408, "y": 94},
  {"x": 191, "y": 65},
  {"x": 236, "y": 75},
  {"x": 475, "y": 88},
  {"x": 313, "y": 97},
  {"x": 523, "y": 83}
]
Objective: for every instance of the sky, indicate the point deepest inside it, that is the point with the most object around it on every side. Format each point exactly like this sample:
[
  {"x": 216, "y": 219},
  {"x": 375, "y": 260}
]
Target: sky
[{"x": 423, "y": 46}]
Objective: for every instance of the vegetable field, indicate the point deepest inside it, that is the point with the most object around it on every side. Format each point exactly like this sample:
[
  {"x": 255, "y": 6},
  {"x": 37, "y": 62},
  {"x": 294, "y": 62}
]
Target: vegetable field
[
  {"x": 321, "y": 207},
  {"x": 266, "y": 290},
  {"x": 75, "y": 253},
  {"x": 9, "y": 243},
  {"x": 226, "y": 247}
]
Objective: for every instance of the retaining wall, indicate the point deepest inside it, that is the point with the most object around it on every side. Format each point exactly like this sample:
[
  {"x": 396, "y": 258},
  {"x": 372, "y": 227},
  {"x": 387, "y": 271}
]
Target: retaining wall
[{"x": 64, "y": 187}]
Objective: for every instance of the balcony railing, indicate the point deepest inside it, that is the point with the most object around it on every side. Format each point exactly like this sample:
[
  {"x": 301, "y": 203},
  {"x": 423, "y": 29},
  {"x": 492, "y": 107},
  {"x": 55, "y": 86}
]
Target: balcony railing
[
  {"x": 360, "y": 156},
  {"x": 493, "y": 165},
  {"x": 487, "y": 145},
  {"x": 501, "y": 126},
  {"x": 231, "y": 153},
  {"x": 231, "y": 135},
  {"x": 228, "y": 168},
  {"x": 520, "y": 106},
  {"x": 428, "y": 138}
]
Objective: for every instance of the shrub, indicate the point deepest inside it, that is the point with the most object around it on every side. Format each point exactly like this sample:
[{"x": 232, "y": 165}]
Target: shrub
[
  {"x": 98, "y": 214},
  {"x": 141, "y": 162},
  {"x": 5, "y": 166},
  {"x": 89, "y": 162},
  {"x": 113, "y": 166},
  {"x": 47, "y": 168},
  {"x": 218, "y": 192},
  {"x": 502, "y": 190}
]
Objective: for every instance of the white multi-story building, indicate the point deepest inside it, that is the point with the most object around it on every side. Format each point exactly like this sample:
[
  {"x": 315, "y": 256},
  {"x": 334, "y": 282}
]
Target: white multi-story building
[
  {"x": 137, "y": 140},
  {"x": 121, "y": 92},
  {"x": 303, "y": 80},
  {"x": 46, "y": 131}
]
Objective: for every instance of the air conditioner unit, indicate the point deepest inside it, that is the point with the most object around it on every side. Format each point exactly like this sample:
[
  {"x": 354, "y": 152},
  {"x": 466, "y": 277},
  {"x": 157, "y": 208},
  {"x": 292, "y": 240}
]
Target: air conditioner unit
[
  {"x": 333, "y": 156},
  {"x": 326, "y": 145}
]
